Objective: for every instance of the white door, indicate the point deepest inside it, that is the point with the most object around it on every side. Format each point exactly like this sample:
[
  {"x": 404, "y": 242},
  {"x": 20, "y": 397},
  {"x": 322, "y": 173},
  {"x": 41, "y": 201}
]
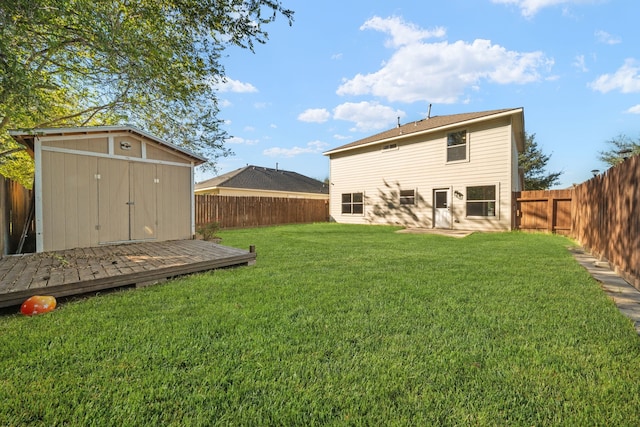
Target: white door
[{"x": 441, "y": 209}]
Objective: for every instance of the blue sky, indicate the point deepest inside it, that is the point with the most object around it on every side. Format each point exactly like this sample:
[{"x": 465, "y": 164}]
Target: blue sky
[{"x": 347, "y": 69}]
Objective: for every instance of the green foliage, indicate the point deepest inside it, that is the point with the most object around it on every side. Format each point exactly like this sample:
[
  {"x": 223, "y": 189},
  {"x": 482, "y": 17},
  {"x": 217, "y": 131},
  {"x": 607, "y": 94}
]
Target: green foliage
[
  {"x": 209, "y": 231},
  {"x": 534, "y": 162},
  {"x": 337, "y": 325},
  {"x": 148, "y": 63},
  {"x": 620, "y": 147},
  {"x": 17, "y": 166}
]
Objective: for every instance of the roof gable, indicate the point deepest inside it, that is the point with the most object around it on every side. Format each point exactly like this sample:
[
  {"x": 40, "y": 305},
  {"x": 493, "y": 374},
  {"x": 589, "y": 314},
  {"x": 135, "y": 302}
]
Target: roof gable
[
  {"x": 261, "y": 178},
  {"x": 27, "y": 136},
  {"x": 432, "y": 124}
]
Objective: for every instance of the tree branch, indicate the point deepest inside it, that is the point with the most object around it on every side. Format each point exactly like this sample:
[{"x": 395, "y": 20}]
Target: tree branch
[{"x": 92, "y": 110}]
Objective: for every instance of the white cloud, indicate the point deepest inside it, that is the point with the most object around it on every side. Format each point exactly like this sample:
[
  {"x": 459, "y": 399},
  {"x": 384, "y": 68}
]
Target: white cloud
[
  {"x": 441, "y": 72},
  {"x": 529, "y": 8},
  {"x": 580, "y": 64},
  {"x": 242, "y": 141},
  {"x": 626, "y": 79},
  {"x": 314, "y": 115},
  {"x": 367, "y": 116},
  {"x": 236, "y": 86},
  {"x": 402, "y": 33},
  {"x": 604, "y": 37},
  {"x": 634, "y": 110},
  {"x": 311, "y": 148}
]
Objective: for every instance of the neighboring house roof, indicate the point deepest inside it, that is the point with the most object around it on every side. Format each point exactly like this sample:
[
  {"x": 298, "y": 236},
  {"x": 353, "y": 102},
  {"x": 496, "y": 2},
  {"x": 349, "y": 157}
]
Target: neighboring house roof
[
  {"x": 436, "y": 123},
  {"x": 26, "y": 136},
  {"x": 261, "y": 178}
]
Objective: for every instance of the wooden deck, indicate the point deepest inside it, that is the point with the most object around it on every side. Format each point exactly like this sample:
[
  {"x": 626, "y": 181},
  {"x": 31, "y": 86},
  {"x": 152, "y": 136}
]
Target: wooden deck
[{"x": 79, "y": 271}]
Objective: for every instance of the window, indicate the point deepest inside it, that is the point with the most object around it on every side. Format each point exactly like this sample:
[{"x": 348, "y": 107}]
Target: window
[
  {"x": 481, "y": 200},
  {"x": 352, "y": 203},
  {"x": 407, "y": 197},
  {"x": 457, "y": 146},
  {"x": 389, "y": 147}
]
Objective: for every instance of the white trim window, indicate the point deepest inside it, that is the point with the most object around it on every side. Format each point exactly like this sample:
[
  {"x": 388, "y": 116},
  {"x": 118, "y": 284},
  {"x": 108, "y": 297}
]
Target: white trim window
[
  {"x": 353, "y": 203},
  {"x": 481, "y": 201},
  {"x": 457, "y": 146}
]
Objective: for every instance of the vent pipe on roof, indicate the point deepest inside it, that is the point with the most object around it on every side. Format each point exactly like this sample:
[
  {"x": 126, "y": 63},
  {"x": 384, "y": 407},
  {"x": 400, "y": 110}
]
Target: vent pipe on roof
[
  {"x": 429, "y": 112},
  {"x": 398, "y": 121},
  {"x": 276, "y": 166}
]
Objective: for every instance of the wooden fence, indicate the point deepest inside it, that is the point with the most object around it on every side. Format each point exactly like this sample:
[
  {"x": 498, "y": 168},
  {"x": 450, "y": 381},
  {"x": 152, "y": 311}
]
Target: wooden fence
[
  {"x": 16, "y": 213},
  {"x": 606, "y": 217},
  {"x": 243, "y": 212},
  {"x": 544, "y": 210}
]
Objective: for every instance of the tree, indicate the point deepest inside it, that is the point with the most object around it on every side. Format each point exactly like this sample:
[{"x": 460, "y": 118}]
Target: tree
[
  {"x": 148, "y": 63},
  {"x": 621, "y": 147},
  {"x": 534, "y": 162}
]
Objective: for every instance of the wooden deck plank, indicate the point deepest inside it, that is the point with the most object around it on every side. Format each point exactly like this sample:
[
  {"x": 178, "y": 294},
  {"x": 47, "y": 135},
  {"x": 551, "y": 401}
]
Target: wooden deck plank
[
  {"x": 6, "y": 266},
  {"x": 27, "y": 274},
  {"x": 78, "y": 271}
]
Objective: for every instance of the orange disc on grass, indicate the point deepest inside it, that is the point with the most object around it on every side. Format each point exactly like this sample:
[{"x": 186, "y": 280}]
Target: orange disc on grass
[{"x": 38, "y": 304}]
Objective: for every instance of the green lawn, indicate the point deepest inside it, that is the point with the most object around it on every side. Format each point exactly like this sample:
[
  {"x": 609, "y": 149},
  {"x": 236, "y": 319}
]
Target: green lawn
[{"x": 337, "y": 325}]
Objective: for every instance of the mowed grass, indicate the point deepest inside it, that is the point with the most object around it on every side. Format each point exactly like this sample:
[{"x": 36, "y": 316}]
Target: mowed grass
[{"x": 337, "y": 325}]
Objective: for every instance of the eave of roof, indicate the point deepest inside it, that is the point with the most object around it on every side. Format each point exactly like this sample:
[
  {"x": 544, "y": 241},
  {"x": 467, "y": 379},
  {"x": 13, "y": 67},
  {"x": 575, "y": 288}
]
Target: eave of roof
[
  {"x": 425, "y": 126},
  {"x": 24, "y": 135}
]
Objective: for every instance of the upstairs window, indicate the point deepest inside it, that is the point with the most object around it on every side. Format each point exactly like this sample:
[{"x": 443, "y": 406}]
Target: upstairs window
[
  {"x": 407, "y": 197},
  {"x": 457, "y": 146},
  {"x": 352, "y": 203},
  {"x": 389, "y": 147},
  {"x": 481, "y": 200}
]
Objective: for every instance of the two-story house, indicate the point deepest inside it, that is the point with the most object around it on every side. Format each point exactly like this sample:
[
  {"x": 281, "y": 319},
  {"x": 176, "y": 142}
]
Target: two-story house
[{"x": 455, "y": 172}]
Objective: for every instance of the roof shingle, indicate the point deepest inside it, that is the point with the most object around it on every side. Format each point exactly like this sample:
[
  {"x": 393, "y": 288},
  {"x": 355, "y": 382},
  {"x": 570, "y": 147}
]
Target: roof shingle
[
  {"x": 423, "y": 125},
  {"x": 261, "y": 178}
]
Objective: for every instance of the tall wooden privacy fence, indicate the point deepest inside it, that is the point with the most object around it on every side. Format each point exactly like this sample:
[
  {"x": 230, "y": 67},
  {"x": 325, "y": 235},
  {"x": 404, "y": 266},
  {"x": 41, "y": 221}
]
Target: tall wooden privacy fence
[
  {"x": 606, "y": 217},
  {"x": 544, "y": 210},
  {"x": 16, "y": 216},
  {"x": 241, "y": 212},
  {"x": 601, "y": 214}
]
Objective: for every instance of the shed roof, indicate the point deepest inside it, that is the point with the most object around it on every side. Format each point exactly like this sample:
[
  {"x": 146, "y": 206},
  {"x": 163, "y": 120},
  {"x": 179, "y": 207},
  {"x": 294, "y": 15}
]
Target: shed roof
[
  {"x": 26, "y": 136},
  {"x": 261, "y": 178},
  {"x": 433, "y": 124}
]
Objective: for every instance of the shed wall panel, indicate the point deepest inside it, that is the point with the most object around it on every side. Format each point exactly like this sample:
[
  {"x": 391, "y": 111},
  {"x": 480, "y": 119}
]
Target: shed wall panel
[
  {"x": 70, "y": 199},
  {"x": 174, "y": 202},
  {"x": 144, "y": 210},
  {"x": 127, "y": 146},
  {"x": 157, "y": 153},
  {"x": 93, "y": 145}
]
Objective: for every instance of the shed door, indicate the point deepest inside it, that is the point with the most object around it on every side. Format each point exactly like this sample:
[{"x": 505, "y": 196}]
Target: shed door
[
  {"x": 143, "y": 206},
  {"x": 441, "y": 210},
  {"x": 127, "y": 200},
  {"x": 113, "y": 196}
]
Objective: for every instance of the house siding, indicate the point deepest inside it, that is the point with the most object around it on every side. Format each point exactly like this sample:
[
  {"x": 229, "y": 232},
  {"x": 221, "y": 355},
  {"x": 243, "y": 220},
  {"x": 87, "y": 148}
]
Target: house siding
[{"x": 420, "y": 163}]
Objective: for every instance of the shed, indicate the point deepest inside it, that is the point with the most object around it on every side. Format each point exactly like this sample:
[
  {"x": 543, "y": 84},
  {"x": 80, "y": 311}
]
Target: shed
[{"x": 108, "y": 184}]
